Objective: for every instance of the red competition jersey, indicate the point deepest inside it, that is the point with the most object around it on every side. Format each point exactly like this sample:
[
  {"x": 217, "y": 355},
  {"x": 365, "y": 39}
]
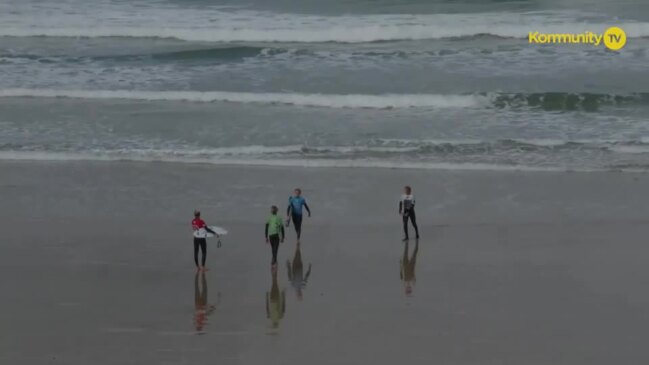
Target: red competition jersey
[{"x": 198, "y": 223}]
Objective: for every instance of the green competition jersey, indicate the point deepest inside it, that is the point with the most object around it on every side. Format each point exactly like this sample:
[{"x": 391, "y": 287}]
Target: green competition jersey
[{"x": 275, "y": 225}]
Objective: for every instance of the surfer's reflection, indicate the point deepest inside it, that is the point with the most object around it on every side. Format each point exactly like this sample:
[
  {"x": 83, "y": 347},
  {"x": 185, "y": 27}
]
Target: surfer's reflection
[
  {"x": 275, "y": 302},
  {"x": 203, "y": 309},
  {"x": 408, "y": 267},
  {"x": 296, "y": 273}
]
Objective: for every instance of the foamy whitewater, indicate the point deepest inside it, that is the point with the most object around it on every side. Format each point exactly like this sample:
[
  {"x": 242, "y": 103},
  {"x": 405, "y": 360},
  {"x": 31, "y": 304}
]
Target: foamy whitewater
[
  {"x": 398, "y": 84},
  {"x": 321, "y": 100}
]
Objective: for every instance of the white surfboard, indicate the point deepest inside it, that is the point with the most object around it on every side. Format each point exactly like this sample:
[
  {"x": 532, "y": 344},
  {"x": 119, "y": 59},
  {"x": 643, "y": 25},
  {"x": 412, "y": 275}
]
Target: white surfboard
[{"x": 201, "y": 233}]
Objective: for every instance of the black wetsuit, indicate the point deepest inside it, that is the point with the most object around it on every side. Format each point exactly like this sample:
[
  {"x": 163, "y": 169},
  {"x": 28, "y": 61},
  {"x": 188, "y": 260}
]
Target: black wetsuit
[
  {"x": 202, "y": 243},
  {"x": 297, "y": 223},
  {"x": 407, "y": 208}
]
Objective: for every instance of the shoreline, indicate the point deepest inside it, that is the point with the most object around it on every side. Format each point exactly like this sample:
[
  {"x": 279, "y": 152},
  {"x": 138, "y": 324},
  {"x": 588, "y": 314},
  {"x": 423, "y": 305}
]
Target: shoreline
[
  {"x": 517, "y": 266},
  {"x": 323, "y": 163},
  {"x": 445, "y": 196}
]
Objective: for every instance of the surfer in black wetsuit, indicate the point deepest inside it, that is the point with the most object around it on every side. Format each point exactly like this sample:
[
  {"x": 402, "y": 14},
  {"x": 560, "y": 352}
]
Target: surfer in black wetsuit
[{"x": 407, "y": 211}]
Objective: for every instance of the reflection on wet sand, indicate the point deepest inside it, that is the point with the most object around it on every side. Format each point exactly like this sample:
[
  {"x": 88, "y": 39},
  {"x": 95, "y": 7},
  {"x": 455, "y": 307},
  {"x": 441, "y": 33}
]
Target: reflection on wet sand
[
  {"x": 408, "y": 267},
  {"x": 275, "y": 302},
  {"x": 296, "y": 272},
  {"x": 202, "y": 308}
]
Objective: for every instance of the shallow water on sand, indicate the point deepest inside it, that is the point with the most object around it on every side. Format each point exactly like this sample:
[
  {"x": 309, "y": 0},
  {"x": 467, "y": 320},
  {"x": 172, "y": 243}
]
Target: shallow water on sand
[{"x": 104, "y": 273}]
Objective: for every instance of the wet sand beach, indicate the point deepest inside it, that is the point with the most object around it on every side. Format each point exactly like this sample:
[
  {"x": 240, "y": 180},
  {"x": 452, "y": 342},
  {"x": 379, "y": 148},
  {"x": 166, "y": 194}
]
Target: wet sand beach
[{"x": 96, "y": 267}]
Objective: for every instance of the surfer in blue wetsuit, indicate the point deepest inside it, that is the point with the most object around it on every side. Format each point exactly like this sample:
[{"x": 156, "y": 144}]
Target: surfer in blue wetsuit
[{"x": 294, "y": 211}]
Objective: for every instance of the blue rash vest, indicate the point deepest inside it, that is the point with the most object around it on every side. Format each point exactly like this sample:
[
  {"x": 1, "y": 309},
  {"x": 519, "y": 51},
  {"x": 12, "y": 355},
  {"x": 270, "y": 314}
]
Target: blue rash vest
[{"x": 296, "y": 203}]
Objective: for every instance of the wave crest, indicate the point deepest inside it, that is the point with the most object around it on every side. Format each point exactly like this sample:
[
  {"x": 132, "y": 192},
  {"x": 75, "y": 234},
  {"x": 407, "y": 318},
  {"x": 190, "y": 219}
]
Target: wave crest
[
  {"x": 548, "y": 101},
  {"x": 338, "y": 34}
]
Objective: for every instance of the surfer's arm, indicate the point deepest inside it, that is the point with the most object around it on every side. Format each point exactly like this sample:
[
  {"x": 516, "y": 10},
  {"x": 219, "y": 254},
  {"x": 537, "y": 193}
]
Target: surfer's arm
[
  {"x": 211, "y": 231},
  {"x": 288, "y": 209},
  {"x": 266, "y": 231},
  {"x": 307, "y": 208},
  {"x": 400, "y": 206}
]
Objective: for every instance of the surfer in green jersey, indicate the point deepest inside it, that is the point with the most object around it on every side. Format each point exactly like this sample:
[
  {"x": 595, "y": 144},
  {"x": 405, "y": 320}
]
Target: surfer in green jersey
[{"x": 274, "y": 232}]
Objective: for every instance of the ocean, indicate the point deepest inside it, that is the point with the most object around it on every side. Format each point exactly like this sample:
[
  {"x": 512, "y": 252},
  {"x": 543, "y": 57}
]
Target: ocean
[{"x": 355, "y": 83}]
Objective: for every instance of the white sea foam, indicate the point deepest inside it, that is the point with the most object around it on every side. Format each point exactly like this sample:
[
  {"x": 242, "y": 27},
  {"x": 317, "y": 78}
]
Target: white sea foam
[
  {"x": 210, "y": 24},
  {"x": 309, "y": 163},
  {"x": 370, "y": 33},
  {"x": 631, "y": 149},
  {"x": 384, "y": 101}
]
